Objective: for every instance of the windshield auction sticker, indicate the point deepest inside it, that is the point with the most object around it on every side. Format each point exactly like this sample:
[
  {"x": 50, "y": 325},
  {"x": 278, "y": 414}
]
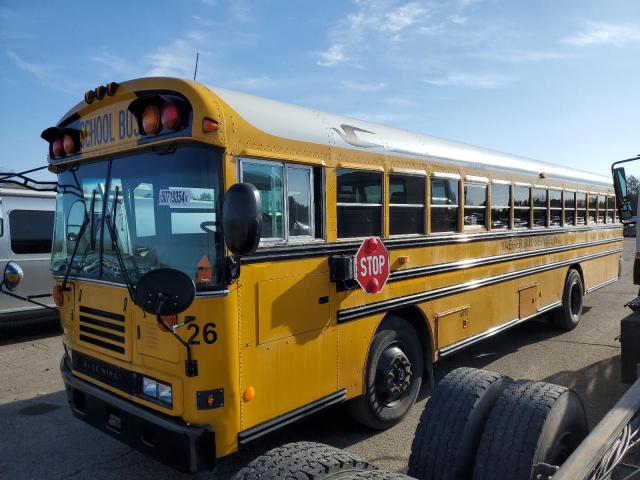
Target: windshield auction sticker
[{"x": 174, "y": 197}]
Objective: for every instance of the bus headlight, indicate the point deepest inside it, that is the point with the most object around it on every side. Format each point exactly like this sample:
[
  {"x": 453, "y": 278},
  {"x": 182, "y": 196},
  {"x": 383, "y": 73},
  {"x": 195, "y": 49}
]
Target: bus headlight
[{"x": 158, "y": 391}]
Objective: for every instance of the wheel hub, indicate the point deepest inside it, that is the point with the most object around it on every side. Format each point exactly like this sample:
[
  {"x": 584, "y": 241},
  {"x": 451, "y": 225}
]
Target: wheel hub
[{"x": 393, "y": 374}]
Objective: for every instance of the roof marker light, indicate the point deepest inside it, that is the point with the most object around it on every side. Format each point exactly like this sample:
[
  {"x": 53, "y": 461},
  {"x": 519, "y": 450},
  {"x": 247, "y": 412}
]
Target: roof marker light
[
  {"x": 100, "y": 91},
  {"x": 89, "y": 96},
  {"x": 209, "y": 125},
  {"x": 111, "y": 88}
]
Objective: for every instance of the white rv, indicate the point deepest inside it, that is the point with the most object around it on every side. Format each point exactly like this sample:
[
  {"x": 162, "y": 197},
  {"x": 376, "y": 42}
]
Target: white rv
[{"x": 26, "y": 229}]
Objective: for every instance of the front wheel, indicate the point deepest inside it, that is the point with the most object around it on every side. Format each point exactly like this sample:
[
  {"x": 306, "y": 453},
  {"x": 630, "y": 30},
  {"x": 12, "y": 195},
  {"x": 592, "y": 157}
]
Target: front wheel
[
  {"x": 393, "y": 376},
  {"x": 568, "y": 315}
]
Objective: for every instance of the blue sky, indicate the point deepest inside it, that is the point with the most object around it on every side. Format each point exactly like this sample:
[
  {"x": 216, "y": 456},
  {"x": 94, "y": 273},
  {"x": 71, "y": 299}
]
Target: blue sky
[{"x": 554, "y": 80}]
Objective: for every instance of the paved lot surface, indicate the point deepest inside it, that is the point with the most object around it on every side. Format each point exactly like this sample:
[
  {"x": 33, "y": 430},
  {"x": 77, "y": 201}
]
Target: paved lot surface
[{"x": 39, "y": 438}]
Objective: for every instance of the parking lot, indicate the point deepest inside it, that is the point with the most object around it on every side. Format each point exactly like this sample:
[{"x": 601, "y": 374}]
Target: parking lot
[{"x": 41, "y": 439}]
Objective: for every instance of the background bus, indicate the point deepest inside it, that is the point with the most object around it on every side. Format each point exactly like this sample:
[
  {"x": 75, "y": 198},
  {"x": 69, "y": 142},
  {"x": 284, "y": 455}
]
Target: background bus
[{"x": 26, "y": 230}]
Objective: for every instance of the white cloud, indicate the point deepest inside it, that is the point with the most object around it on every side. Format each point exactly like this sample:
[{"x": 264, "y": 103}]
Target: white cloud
[
  {"x": 45, "y": 73},
  {"x": 373, "y": 20},
  {"x": 517, "y": 56},
  {"x": 42, "y": 72},
  {"x": 333, "y": 56},
  {"x": 255, "y": 83},
  {"x": 467, "y": 80},
  {"x": 600, "y": 33},
  {"x": 115, "y": 64},
  {"x": 458, "y": 19},
  {"x": 364, "y": 87},
  {"x": 177, "y": 59},
  {"x": 468, "y": 3}
]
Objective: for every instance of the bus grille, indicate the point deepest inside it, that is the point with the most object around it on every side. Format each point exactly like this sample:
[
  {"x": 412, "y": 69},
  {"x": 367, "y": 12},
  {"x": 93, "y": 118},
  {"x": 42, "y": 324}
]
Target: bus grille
[
  {"x": 104, "y": 372},
  {"x": 102, "y": 329}
]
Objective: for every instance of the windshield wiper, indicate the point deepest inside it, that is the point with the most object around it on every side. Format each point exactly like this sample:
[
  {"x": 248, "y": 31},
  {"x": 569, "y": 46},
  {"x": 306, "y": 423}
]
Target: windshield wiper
[
  {"x": 88, "y": 220},
  {"x": 116, "y": 249}
]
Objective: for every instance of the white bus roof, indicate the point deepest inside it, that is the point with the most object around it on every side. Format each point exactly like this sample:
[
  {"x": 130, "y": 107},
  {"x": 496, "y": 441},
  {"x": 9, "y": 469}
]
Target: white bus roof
[{"x": 307, "y": 125}]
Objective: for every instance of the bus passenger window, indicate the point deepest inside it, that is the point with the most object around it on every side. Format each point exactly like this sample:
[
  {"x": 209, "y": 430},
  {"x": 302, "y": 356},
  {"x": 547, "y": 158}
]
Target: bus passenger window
[
  {"x": 569, "y": 208},
  {"x": 611, "y": 208},
  {"x": 555, "y": 203},
  {"x": 602, "y": 208},
  {"x": 475, "y": 205},
  {"x": 593, "y": 204},
  {"x": 268, "y": 178},
  {"x": 359, "y": 202},
  {"x": 500, "y": 205},
  {"x": 521, "y": 208},
  {"x": 406, "y": 204},
  {"x": 581, "y": 206},
  {"x": 540, "y": 207},
  {"x": 300, "y": 201},
  {"x": 444, "y": 205}
]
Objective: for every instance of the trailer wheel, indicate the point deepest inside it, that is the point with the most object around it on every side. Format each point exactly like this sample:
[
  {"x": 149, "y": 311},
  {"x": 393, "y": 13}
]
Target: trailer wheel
[
  {"x": 308, "y": 460},
  {"x": 393, "y": 375},
  {"x": 568, "y": 315},
  {"x": 446, "y": 439},
  {"x": 530, "y": 423}
]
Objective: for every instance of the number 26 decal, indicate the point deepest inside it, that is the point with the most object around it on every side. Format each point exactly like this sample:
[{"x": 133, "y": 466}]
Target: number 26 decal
[{"x": 209, "y": 334}]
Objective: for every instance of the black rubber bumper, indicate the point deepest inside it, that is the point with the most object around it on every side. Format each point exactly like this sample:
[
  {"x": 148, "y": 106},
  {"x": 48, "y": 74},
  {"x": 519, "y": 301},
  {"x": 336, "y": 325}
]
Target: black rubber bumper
[{"x": 186, "y": 448}]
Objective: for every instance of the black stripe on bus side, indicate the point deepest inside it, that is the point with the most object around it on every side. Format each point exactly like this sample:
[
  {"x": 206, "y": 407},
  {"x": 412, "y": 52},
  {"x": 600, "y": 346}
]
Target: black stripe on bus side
[
  {"x": 477, "y": 262},
  {"x": 407, "y": 300},
  {"x": 261, "y": 429},
  {"x": 291, "y": 252}
]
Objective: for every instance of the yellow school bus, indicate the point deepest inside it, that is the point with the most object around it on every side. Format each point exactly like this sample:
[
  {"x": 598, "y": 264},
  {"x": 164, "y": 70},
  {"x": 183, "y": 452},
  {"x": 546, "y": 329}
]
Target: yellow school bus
[{"x": 258, "y": 207}]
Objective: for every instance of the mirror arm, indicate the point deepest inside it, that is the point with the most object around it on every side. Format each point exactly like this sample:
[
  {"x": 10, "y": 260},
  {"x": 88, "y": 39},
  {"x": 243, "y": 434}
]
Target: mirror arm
[
  {"x": 27, "y": 298},
  {"x": 190, "y": 366}
]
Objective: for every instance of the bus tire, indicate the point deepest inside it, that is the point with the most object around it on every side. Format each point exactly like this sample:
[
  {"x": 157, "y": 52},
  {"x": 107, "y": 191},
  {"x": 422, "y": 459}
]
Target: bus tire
[
  {"x": 530, "y": 423},
  {"x": 568, "y": 315},
  {"x": 309, "y": 460},
  {"x": 447, "y": 437},
  {"x": 393, "y": 375},
  {"x": 380, "y": 475}
]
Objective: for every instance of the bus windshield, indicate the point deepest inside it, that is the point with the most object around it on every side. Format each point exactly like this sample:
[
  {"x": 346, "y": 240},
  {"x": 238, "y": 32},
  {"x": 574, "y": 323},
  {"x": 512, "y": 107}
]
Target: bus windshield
[{"x": 164, "y": 205}]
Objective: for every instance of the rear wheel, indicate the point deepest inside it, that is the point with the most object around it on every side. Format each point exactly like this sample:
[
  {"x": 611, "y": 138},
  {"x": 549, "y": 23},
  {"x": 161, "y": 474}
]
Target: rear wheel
[
  {"x": 568, "y": 315},
  {"x": 308, "y": 460},
  {"x": 393, "y": 375},
  {"x": 530, "y": 423}
]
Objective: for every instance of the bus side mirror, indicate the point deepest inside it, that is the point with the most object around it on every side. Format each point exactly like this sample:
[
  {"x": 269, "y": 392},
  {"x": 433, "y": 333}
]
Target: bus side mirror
[
  {"x": 165, "y": 291},
  {"x": 13, "y": 276},
  {"x": 625, "y": 208},
  {"x": 242, "y": 219}
]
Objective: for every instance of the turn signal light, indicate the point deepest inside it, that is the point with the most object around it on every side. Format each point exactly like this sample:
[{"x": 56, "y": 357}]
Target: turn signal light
[
  {"x": 170, "y": 116},
  {"x": 69, "y": 145},
  {"x": 150, "y": 119},
  {"x": 58, "y": 295},
  {"x": 209, "y": 125},
  {"x": 57, "y": 148}
]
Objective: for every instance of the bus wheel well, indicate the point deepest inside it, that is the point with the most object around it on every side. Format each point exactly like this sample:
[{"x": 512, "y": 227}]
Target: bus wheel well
[
  {"x": 577, "y": 268},
  {"x": 415, "y": 318}
]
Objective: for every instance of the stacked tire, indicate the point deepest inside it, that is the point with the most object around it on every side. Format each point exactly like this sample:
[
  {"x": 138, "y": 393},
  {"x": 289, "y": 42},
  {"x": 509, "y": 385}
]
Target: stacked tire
[
  {"x": 478, "y": 425},
  {"x": 481, "y": 425}
]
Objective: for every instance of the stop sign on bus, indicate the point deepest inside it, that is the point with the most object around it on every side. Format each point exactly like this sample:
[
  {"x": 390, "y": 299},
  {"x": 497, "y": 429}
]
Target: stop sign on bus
[{"x": 372, "y": 265}]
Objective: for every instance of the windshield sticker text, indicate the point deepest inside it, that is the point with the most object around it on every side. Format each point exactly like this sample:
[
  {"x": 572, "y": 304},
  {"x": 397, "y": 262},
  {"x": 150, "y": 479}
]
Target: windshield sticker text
[{"x": 174, "y": 197}]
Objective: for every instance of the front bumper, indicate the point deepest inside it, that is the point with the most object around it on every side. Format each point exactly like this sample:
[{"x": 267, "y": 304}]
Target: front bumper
[{"x": 168, "y": 440}]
